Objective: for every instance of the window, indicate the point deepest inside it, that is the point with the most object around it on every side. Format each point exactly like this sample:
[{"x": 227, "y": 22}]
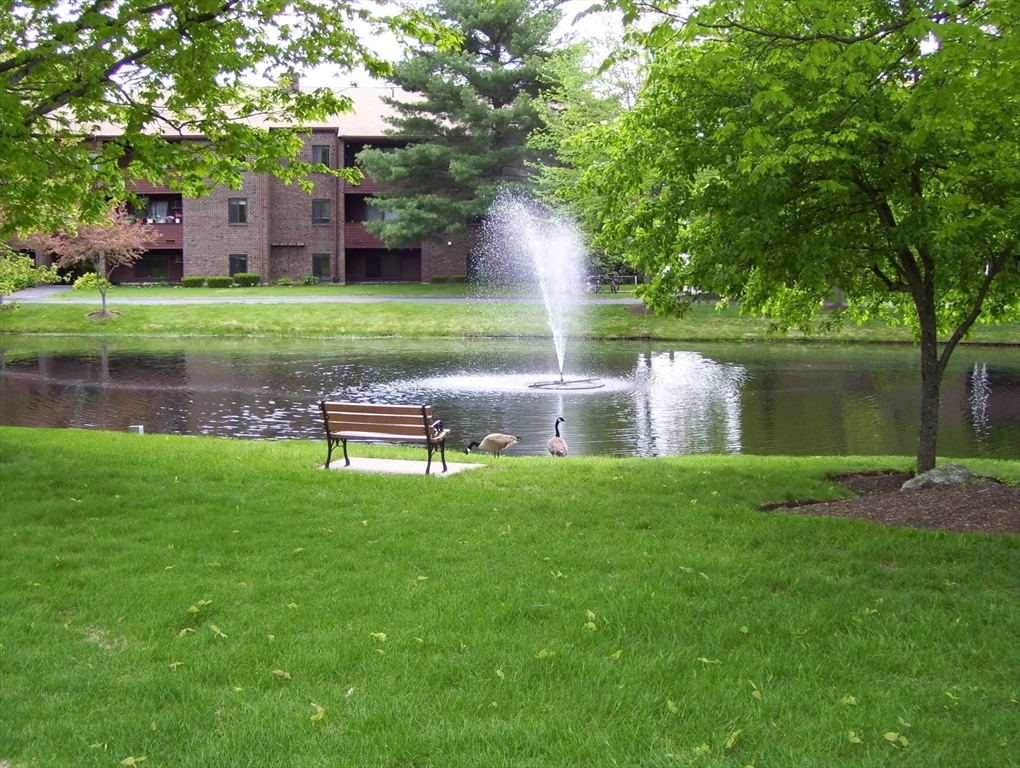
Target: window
[
  {"x": 374, "y": 213},
  {"x": 320, "y": 265},
  {"x": 384, "y": 267},
  {"x": 237, "y": 210},
  {"x": 320, "y": 154},
  {"x": 320, "y": 211},
  {"x": 152, "y": 267},
  {"x": 238, "y": 263}
]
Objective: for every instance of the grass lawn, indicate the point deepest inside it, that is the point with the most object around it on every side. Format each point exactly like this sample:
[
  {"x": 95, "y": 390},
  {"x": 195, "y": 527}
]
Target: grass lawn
[
  {"x": 423, "y": 320},
  {"x": 208, "y": 602}
]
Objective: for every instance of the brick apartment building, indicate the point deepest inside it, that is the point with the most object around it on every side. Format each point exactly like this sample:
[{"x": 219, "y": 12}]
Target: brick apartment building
[{"x": 280, "y": 231}]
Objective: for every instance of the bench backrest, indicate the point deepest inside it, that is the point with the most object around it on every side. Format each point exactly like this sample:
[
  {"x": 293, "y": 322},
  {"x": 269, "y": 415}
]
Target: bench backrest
[{"x": 397, "y": 421}]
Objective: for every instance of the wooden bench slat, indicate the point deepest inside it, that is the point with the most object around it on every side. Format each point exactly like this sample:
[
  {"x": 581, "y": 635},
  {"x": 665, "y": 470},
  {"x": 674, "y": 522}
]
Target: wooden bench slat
[
  {"x": 375, "y": 408},
  {"x": 410, "y": 420},
  {"x": 382, "y": 429}
]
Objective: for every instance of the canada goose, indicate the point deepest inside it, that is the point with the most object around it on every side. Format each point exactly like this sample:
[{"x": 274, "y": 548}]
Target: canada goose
[
  {"x": 495, "y": 443},
  {"x": 557, "y": 445}
]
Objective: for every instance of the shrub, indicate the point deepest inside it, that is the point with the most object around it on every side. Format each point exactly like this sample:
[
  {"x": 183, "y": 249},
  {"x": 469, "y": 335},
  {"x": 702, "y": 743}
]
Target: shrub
[
  {"x": 88, "y": 281},
  {"x": 193, "y": 281},
  {"x": 439, "y": 279},
  {"x": 285, "y": 281},
  {"x": 247, "y": 279},
  {"x": 310, "y": 280},
  {"x": 219, "y": 281},
  {"x": 458, "y": 278}
]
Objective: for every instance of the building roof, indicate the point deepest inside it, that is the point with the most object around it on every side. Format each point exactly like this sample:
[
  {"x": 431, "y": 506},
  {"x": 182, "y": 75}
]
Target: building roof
[{"x": 366, "y": 120}]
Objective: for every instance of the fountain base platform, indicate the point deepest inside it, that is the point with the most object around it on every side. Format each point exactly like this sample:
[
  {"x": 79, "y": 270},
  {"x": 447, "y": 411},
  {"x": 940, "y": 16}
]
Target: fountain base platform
[{"x": 568, "y": 385}]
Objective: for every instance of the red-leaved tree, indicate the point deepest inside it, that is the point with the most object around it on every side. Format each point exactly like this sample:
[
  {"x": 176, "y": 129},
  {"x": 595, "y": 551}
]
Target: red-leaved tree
[{"x": 104, "y": 246}]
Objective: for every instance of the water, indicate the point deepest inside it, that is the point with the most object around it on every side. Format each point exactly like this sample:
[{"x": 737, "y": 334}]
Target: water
[
  {"x": 657, "y": 399},
  {"x": 525, "y": 242}
]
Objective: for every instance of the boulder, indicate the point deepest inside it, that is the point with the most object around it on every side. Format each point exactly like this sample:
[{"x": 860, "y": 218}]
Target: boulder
[{"x": 948, "y": 474}]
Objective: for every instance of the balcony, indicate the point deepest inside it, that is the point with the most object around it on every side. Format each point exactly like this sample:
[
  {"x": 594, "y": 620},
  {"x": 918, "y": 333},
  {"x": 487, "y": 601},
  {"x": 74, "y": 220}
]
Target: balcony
[
  {"x": 367, "y": 186},
  {"x": 167, "y": 235},
  {"x": 356, "y": 236}
]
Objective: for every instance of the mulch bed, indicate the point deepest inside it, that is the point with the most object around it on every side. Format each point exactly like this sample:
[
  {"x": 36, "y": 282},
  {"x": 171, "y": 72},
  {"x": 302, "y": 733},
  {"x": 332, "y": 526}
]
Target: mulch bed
[{"x": 985, "y": 505}]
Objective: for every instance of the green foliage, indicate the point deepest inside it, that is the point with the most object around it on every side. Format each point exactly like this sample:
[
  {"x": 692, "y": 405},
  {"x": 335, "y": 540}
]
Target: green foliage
[
  {"x": 439, "y": 279},
  {"x": 469, "y": 127},
  {"x": 219, "y": 281},
  {"x": 310, "y": 280},
  {"x": 18, "y": 271},
  {"x": 876, "y": 149},
  {"x": 284, "y": 282},
  {"x": 156, "y": 71},
  {"x": 88, "y": 282},
  {"x": 246, "y": 279},
  {"x": 193, "y": 281}
]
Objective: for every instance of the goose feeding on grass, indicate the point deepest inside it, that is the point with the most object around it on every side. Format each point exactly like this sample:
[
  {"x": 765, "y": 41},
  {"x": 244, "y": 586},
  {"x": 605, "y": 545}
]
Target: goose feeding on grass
[
  {"x": 495, "y": 443},
  {"x": 557, "y": 445}
]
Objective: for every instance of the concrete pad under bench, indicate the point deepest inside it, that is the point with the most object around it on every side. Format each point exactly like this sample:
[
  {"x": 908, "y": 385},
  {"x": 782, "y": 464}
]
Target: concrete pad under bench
[{"x": 399, "y": 467}]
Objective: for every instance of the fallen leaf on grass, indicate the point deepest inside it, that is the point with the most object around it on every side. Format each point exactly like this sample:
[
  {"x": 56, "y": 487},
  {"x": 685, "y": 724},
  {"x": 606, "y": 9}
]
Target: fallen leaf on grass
[
  {"x": 319, "y": 713},
  {"x": 732, "y": 739},
  {"x": 854, "y": 738},
  {"x": 671, "y": 706},
  {"x": 848, "y": 701},
  {"x": 216, "y": 630},
  {"x": 896, "y": 739},
  {"x": 380, "y": 636},
  {"x": 130, "y": 760},
  {"x": 281, "y": 673},
  {"x": 703, "y": 660}
]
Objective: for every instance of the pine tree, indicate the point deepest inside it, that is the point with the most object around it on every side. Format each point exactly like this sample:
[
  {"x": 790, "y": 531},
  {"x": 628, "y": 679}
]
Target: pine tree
[{"x": 467, "y": 132}]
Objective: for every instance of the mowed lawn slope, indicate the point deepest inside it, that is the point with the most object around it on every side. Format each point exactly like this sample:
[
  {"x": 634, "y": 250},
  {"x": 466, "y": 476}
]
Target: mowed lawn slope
[{"x": 208, "y": 602}]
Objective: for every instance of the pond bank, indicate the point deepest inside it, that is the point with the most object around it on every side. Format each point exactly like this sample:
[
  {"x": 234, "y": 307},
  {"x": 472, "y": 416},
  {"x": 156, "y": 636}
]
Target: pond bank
[{"x": 429, "y": 318}]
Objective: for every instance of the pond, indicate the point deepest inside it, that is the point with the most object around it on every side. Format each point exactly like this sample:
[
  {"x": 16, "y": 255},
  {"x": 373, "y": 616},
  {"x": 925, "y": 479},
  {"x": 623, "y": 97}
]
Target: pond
[{"x": 651, "y": 398}]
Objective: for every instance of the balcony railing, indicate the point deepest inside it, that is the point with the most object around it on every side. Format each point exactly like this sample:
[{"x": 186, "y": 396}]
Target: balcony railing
[
  {"x": 356, "y": 236},
  {"x": 167, "y": 235}
]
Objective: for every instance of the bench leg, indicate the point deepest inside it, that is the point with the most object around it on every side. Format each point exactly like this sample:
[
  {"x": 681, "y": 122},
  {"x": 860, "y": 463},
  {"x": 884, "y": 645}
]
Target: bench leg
[
  {"x": 429, "y": 463},
  {"x": 442, "y": 453},
  {"x": 347, "y": 460},
  {"x": 330, "y": 445}
]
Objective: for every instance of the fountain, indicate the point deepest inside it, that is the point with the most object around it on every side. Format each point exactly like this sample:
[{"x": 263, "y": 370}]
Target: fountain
[{"x": 523, "y": 242}]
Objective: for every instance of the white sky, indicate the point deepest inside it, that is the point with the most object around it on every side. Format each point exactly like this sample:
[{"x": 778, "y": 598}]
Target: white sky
[{"x": 601, "y": 28}]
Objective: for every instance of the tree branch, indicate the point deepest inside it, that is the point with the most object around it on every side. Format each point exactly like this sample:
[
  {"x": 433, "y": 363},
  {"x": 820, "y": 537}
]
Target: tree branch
[{"x": 994, "y": 267}]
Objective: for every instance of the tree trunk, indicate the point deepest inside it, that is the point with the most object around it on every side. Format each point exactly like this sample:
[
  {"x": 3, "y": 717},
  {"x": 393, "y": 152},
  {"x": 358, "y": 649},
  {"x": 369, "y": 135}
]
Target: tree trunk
[
  {"x": 102, "y": 281},
  {"x": 931, "y": 384}
]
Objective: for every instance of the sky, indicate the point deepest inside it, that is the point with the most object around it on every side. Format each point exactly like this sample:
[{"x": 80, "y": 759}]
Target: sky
[{"x": 602, "y": 27}]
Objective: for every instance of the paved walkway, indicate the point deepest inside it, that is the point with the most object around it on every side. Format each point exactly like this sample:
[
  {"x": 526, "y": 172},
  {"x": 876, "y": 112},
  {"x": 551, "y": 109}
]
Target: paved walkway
[
  {"x": 57, "y": 295},
  {"x": 400, "y": 467}
]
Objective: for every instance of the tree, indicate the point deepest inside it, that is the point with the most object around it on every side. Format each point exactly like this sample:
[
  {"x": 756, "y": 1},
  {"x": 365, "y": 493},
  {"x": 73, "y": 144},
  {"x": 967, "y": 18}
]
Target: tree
[
  {"x": 104, "y": 246},
  {"x": 18, "y": 271},
  {"x": 780, "y": 150},
  {"x": 469, "y": 129},
  {"x": 146, "y": 74}
]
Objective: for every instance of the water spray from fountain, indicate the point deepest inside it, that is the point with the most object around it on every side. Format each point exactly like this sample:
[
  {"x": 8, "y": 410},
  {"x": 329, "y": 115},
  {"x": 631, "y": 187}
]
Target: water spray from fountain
[{"x": 525, "y": 241}]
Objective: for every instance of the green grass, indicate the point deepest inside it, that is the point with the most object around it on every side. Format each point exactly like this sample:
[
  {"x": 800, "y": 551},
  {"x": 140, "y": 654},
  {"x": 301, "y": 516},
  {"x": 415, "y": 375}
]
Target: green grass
[
  {"x": 431, "y": 290},
  {"x": 582, "y": 612},
  {"x": 418, "y": 320}
]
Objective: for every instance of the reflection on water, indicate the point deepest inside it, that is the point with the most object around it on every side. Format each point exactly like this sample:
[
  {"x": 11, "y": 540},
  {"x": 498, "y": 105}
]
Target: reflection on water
[{"x": 655, "y": 399}]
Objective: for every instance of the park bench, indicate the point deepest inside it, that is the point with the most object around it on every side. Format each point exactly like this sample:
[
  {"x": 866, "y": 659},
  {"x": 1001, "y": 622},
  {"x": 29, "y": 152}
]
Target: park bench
[{"x": 382, "y": 423}]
